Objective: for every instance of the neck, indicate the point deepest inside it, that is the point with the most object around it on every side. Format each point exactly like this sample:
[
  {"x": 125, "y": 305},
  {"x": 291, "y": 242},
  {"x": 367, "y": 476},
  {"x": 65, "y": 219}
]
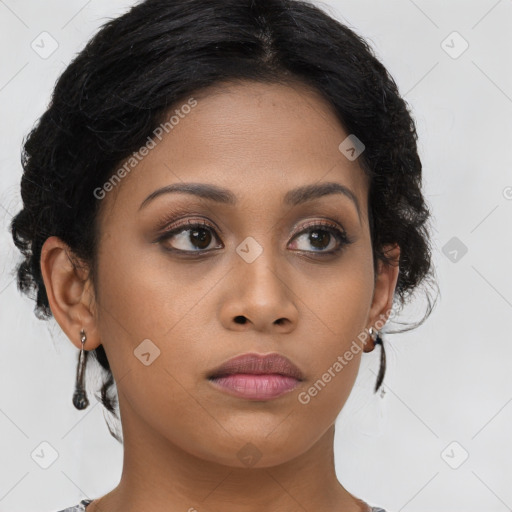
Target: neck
[{"x": 160, "y": 476}]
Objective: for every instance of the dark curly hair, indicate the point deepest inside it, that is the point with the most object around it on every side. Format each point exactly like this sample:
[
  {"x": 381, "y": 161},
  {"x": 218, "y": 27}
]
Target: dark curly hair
[{"x": 121, "y": 86}]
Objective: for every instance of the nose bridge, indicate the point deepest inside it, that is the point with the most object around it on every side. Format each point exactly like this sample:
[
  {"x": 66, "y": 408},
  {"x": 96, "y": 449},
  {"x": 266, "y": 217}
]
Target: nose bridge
[
  {"x": 256, "y": 265},
  {"x": 259, "y": 293}
]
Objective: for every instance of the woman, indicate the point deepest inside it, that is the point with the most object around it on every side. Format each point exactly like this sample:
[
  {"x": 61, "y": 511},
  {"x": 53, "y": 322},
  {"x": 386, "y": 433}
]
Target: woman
[{"x": 223, "y": 204}]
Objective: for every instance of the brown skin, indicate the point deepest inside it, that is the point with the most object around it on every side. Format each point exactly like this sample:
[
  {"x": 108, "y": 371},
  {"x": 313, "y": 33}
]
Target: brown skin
[{"x": 182, "y": 436}]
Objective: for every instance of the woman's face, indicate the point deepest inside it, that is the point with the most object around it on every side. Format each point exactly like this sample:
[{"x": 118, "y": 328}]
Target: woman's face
[{"x": 169, "y": 307}]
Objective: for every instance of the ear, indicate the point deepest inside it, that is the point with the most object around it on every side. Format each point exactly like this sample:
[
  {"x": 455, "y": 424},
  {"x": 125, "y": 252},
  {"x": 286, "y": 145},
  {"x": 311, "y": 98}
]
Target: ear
[
  {"x": 70, "y": 293},
  {"x": 384, "y": 290}
]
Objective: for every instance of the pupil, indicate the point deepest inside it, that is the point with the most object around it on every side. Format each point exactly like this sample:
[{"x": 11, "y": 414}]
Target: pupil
[
  {"x": 196, "y": 234},
  {"x": 315, "y": 238}
]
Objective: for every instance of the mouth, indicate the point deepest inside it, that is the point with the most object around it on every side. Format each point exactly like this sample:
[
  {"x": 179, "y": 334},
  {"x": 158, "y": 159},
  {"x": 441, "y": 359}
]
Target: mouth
[{"x": 256, "y": 377}]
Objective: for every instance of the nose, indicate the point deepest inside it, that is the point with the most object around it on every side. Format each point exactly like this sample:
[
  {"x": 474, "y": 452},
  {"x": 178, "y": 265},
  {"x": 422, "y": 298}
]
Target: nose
[{"x": 259, "y": 297}]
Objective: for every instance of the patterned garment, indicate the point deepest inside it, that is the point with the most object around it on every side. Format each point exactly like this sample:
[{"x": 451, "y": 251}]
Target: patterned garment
[{"x": 83, "y": 505}]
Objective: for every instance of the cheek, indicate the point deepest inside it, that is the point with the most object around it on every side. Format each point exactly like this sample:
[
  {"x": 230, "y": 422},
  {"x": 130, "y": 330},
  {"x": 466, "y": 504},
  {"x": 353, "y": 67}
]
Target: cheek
[
  {"x": 337, "y": 316},
  {"x": 142, "y": 292},
  {"x": 339, "y": 300}
]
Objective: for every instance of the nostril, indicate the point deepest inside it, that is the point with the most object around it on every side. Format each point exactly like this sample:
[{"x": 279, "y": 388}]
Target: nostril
[{"x": 240, "y": 320}]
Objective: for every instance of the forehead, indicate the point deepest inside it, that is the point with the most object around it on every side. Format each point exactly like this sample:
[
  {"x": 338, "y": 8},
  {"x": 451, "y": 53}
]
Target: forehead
[{"x": 257, "y": 139}]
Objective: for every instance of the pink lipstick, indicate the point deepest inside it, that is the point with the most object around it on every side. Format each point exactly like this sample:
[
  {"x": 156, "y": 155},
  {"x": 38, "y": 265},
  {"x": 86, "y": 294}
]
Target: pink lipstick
[{"x": 256, "y": 376}]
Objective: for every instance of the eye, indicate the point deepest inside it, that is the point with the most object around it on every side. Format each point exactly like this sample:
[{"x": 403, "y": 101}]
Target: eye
[
  {"x": 191, "y": 237},
  {"x": 326, "y": 238},
  {"x": 197, "y": 237}
]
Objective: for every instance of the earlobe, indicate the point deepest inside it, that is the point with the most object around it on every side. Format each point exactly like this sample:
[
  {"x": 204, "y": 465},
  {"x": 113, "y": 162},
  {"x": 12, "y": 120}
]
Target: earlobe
[
  {"x": 68, "y": 292},
  {"x": 384, "y": 290}
]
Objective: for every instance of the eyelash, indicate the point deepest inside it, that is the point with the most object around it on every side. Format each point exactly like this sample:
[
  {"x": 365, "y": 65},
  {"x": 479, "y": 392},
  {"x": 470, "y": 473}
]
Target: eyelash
[{"x": 340, "y": 236}]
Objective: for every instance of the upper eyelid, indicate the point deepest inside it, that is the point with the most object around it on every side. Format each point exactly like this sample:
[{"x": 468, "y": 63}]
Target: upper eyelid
[
  {"x": 191, "y": 223},
  {"x": 171, "y": 225}
]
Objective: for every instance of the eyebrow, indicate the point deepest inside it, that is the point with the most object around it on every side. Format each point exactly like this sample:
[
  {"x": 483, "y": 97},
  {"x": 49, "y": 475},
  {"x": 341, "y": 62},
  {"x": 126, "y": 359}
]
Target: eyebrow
[{"x": 221, "y": 195}]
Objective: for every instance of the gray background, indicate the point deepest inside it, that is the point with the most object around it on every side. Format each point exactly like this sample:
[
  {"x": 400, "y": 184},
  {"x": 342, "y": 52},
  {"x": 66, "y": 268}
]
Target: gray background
[{"x": 448, "y": 387}]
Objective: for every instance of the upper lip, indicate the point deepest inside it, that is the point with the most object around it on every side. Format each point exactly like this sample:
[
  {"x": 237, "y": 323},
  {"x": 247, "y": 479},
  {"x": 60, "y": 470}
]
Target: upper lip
[{"x": 258, "y": 364}]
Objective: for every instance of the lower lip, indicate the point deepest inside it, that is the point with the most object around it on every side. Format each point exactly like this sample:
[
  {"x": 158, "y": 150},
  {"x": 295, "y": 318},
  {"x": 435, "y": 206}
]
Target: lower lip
[{"x": 255, "y": 387}]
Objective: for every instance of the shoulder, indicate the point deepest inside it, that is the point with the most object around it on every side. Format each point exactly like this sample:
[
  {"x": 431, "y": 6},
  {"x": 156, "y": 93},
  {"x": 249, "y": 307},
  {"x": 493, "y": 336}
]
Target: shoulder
[{"x": 80, "y": 507}]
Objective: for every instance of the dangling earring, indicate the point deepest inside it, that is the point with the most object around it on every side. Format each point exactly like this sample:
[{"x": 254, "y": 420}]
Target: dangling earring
[
  {"x": 80, "y": 400},
  {"x": 375, "y": 335}
]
